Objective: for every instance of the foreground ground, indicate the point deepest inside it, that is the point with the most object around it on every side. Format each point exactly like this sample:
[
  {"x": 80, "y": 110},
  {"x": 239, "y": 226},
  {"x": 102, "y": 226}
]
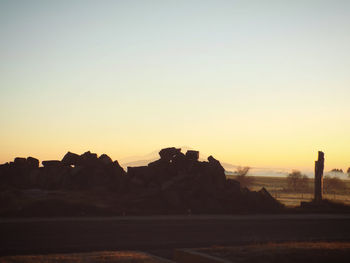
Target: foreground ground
[
  {"x": 160, "y": 235},
  {"x": 43, "y": 203},
  {"x": 290, "y": 252},
  {"x": 91, "y": 257},
  {"x": 287, "y": 252}
]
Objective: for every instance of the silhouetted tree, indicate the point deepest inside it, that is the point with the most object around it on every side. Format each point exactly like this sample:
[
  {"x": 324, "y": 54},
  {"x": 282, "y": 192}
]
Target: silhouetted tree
[
  {"x": 333, "y": 184},
  {"x": 297, "y": 181},
  {"x": 242, "y": 177},
  {"x": 348, "y": 171},
  {"x": 335, "y": 170}
]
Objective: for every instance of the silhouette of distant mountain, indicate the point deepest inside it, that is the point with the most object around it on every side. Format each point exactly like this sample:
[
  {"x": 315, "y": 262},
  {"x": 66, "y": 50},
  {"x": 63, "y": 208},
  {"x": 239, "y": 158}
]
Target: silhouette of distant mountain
[{"x": 143, "y": 160}]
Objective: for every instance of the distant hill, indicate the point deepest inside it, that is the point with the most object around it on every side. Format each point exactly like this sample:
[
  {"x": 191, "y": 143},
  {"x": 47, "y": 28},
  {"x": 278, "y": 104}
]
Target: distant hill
[{"x": 143, "y": 160}]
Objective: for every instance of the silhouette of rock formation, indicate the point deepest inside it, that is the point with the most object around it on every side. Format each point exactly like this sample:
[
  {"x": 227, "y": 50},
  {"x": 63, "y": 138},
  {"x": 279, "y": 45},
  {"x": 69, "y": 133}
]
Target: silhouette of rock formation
[
  {"x": 74, "y": 171},
  {"x": 176, "y": 183}
]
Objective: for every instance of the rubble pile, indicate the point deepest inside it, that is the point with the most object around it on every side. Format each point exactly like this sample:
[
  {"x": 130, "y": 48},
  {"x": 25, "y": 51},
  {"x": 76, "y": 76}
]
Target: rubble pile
[
  {"x": 176, "y": 183},
  {"x": 74, "y": 171}
]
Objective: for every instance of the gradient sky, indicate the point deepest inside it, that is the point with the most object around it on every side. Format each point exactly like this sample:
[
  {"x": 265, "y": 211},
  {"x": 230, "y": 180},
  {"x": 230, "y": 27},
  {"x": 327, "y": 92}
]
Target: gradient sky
[{"x": 258, "y": 83}]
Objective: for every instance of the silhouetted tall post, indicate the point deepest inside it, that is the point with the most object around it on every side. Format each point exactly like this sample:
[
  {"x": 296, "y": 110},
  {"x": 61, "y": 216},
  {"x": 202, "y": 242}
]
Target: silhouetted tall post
[{"x": 319, "y": 166}]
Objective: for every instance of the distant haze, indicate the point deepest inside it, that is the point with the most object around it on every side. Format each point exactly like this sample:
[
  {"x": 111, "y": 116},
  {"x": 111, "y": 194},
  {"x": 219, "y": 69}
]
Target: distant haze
[
  {"x": 144, "y": 160},
  {"x": 253, "y": 83}
]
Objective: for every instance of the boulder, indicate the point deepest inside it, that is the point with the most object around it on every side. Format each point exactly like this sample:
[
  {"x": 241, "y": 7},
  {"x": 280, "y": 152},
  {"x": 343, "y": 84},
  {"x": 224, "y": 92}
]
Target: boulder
[
  {"x": 180, "y": 161},
  {"x": 32, "y": 162},
  {"x": 192, "y": 155},
  {"x": 89, "y": 159},
  {"x": 268, "y": 199},
  {"x": 70, "y": 159},
  {"x": 167, "y": 154},
  {"x": 142, "y": 173},
  {"x": 52, "y": 163},
  {"x": 4, "y": 166},
  {"x": 34, "y": 178},
  {"x": 158, "y": 164},
  {"x": 105, "y": 159},
  {"x": 215, "y": 163},
  {"x": 20, "y": 162},
  {"x": 117, "y": 168}
]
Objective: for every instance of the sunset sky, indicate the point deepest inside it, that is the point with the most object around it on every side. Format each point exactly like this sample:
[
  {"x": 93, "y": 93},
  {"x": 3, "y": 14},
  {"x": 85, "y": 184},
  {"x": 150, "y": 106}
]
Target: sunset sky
[{"x": 258, "y": 83}]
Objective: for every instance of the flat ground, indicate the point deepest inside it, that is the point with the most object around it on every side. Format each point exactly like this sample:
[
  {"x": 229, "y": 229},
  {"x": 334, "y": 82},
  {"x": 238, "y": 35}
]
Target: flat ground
[
  {"x": 278, "y": 188},
  {"x": 161, "y": 234}
]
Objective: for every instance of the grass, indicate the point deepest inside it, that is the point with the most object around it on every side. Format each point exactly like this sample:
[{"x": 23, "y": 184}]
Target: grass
[
  {"x": 320, "y": 252},
  {"x": 278, "y": 188},
  {"x": 93, "y": 257}
]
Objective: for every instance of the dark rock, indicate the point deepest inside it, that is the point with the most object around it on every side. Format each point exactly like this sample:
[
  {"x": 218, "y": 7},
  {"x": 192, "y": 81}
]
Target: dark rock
[
  {"x": 89, "y": 159},
  {"x": 268, "y": 200},
  {"x": 180, "y": 161},
  {"x": 4, "y": 166},
  {"x": 168, "y": 184},
  {"x": 52, "y": 163},
  {"x": 105, "y": 159},
  {"x": 20, "y": 162},
  {"x": 176, "y": 183},
  {"x": 35, "y": 178},
  {"x": 167, "y": 154},
  {"x": 70, "y": 159},
  {"x": 138, "y": 171},
  {"x": 172, "y": 198},
  {"x": 32, "y": 162},
  {"x": 233, "y": 185},
  {"x": 192, "y": 155},
  {"x": 215, "y": 163},
  {"x": 136, "y": 181},
  {"x": 161, "y": 163},
  {"x": 117, "y": 169},
  {"x": 265, "y": 193}
]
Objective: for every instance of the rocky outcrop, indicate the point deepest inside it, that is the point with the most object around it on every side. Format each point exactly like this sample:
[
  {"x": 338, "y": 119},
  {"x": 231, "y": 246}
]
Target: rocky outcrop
[
  {"x": 86, "y": 171},
  {"x": 176, "y": 183},
  {"x": 70, "y": 159}
]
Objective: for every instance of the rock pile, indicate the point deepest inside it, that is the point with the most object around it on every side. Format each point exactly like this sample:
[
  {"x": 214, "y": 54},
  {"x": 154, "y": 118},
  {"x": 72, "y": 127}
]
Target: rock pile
[
  {"x": 74, "y": 171},
  {"x": 176, "y": 183},
  {"x": 179, "y": 182}
]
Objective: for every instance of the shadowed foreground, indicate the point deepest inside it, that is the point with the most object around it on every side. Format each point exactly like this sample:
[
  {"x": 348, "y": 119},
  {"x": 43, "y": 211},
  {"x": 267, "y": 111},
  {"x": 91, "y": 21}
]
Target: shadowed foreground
[
  {"x": 291, "y": 252},
  {"x": 161, "y": 234},
  {"x": 94, "y": 257}
]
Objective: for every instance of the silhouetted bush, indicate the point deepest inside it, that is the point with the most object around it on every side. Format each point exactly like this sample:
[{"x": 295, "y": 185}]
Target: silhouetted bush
[
  {"x": 297, "y": 181},
  {"x": 333, "y": 184},
  {"x": 242, "y": 177},
  {"x": 335, "y": 170}
]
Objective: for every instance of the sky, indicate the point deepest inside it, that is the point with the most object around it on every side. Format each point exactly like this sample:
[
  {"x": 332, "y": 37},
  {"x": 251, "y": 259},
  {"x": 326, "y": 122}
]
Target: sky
[{"x": 257, "y": 83}]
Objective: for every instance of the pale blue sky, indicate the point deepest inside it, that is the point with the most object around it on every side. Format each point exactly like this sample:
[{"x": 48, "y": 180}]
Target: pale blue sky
[{"x": 231, "y": 78}]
